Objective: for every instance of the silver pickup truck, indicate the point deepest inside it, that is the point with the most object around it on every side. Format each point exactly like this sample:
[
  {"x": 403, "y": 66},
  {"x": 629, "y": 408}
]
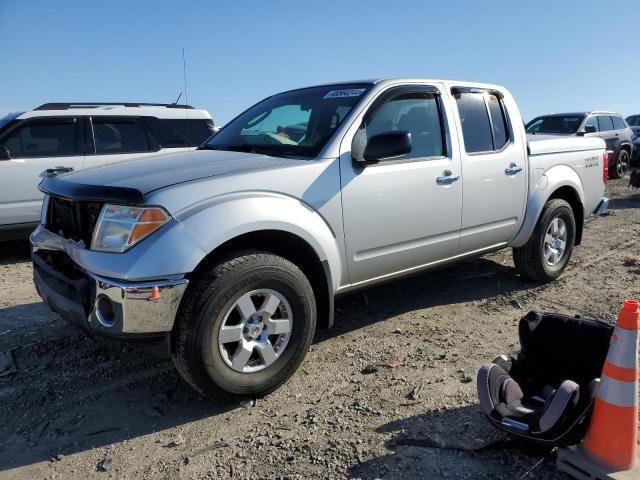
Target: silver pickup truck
[{"x": 233, "y": 253}]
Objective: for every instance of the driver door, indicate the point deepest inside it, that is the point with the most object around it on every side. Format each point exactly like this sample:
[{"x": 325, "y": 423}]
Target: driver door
[{"x": 403, "y": 213}]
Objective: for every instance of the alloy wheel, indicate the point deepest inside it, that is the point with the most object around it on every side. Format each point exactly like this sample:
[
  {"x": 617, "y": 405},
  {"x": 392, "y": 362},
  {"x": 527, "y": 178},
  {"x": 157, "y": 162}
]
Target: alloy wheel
[
  {"x": 255, "y": 330},
  {"x": 555, "y": 241}
]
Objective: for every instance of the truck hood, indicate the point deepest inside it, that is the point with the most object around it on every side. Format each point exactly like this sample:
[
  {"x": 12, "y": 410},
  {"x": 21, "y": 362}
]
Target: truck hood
[{"x": 135, "y": 178}]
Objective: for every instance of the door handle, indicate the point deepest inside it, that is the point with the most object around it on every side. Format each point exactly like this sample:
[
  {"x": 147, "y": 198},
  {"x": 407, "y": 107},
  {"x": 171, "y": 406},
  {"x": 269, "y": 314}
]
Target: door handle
[
  {"x": 513, "y": 169},
  {"x": 447, "y": 178}
]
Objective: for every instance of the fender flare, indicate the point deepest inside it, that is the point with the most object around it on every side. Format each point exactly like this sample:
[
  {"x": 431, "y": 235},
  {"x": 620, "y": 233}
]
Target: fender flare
[
  {"x": 539, "y": 193},
  {"x": 217, "y": 220}
]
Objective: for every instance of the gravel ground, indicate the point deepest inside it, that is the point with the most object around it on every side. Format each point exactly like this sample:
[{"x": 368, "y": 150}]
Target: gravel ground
[{"x": 74, "y": 407}]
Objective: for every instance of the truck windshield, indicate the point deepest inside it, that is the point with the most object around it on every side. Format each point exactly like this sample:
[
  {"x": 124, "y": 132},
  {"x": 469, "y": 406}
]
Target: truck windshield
[
  {"x": 292, "y": 124},
  {"x": 566, "y": 124}
]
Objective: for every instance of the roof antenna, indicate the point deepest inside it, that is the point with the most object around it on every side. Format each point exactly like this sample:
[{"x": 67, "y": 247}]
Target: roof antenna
[
  {"x": 186, "y": 93},
  {"x": 176, "y": 102}
]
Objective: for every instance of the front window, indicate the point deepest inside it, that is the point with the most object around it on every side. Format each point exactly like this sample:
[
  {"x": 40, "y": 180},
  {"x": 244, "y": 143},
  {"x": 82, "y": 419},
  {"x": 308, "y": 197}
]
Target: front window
[
  {"x": 47, "y": 137},
  {"x": 297, "y": 123},
  {"x": 634, "y": 120},
  {"x": 415, "y": 112},
  {"x": 591, "y": 122},
  {"x": 564, "y": 124}
]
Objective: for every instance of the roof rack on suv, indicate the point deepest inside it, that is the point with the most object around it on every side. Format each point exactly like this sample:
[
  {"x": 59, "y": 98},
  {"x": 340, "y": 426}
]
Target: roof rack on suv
[{"x": 66, "y": 106}]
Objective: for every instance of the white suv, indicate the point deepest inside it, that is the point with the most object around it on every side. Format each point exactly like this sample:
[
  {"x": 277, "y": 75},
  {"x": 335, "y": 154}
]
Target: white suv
[{"x": 72, "y": 136}]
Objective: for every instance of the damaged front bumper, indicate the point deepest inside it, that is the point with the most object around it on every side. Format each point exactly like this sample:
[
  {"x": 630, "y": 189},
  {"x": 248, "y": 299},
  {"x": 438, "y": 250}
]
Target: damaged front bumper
[{"x": 97, "y": 304}]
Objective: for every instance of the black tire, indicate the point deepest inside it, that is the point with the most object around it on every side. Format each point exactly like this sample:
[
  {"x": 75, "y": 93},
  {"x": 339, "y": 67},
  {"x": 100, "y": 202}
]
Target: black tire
[
  {"x": 213, "y": 292},
  {"x": 621, "y": 166},
  {"x": 530, "y": 259}
]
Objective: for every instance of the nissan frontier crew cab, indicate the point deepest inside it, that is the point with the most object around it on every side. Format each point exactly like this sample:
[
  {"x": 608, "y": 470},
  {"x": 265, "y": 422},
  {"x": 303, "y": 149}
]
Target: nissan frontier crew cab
[{"x": 234, "y": 253}]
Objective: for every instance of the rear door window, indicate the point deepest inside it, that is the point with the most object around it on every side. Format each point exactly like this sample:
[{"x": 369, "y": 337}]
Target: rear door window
[
  {"x": 618, "y": 123},
  {"x": 50, "y": 137},
  {"x": 476, "y": 127},
  {"x": 604, "y": 123},
  {"x": 498, "y": 122},
  {"x": 121, "y": 135}
]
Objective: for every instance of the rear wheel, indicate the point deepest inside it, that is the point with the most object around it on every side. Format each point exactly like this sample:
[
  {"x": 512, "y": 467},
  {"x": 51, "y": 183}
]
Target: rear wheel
[
  {"x": 244, "y": 326},
  {"x": 622, "y": 165},
  {"x": 545, "y": 256}
]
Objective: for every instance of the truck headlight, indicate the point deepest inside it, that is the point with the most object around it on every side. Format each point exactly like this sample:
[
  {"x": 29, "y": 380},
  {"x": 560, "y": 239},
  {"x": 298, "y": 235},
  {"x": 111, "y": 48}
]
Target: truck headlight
[{"x": 120, "y": 227}]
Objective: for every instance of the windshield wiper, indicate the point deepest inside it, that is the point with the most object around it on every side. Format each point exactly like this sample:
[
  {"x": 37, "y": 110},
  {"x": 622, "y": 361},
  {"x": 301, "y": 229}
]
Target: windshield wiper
[
  {"x": 239, "y": 147},
  {"x": 207, "y": 146}
]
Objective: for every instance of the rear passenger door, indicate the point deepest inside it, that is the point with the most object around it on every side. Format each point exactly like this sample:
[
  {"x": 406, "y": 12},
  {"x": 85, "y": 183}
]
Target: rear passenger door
[
  {"x": 117, "y": 139},
  {"x": 34, "y": 146},
  {"x": 608, "y": 134},
  {"x": 622, "y": 132},
  {"x": 494, "y": 170}
]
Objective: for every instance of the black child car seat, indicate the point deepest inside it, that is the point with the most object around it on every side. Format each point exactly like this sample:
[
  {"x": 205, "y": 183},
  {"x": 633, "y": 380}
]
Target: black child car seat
[{"x": 546, "y": 391}]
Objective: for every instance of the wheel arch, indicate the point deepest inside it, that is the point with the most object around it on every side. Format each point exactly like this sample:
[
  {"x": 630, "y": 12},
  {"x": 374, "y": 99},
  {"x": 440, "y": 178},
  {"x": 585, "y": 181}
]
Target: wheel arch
[
  {"x": 570, "y": 195},
  {"x": 293, "y": 248},
  {"x": 562, "y": 182},
  {"x": 626, "y": 147}
]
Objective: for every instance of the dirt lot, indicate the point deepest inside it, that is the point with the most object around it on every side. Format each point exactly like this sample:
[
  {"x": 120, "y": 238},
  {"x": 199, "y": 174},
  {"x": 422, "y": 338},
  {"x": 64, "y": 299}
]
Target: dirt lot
[{"x": 69, "y": 402}]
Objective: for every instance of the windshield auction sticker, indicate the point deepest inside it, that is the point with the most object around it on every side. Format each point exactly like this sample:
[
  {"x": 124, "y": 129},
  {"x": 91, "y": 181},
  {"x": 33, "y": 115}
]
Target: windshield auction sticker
[{"x": 349, "y": 92}]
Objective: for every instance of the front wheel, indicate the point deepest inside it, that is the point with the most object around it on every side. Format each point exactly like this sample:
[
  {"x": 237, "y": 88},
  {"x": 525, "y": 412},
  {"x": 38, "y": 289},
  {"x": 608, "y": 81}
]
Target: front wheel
[
  {"x": 545, "y": 256},
  {"x": 621, "y": 166},
  {"x": 244, "y": 326}
]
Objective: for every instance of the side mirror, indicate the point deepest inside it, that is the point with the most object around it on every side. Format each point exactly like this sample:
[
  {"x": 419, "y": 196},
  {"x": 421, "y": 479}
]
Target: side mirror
[
  {"x": 4, "y": 153},
  {"x": 380, "y": 146},
  {"x": 588, "y": 129}
]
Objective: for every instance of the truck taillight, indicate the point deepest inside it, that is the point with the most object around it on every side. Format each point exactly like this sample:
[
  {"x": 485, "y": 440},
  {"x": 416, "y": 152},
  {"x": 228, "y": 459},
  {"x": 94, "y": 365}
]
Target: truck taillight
[{"x": 605, "y": 166}]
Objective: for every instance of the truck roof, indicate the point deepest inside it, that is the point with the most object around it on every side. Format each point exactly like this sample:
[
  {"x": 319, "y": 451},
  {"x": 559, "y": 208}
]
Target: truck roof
[
  {"x": 409, "y": 80},
  {"x": 375, "y": 81}
]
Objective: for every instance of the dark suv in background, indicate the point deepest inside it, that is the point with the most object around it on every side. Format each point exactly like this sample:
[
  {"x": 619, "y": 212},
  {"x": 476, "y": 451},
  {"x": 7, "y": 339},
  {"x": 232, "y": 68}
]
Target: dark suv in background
[
  {"x": 609, "y": 126},
  {"x": 634, "y": 122}
]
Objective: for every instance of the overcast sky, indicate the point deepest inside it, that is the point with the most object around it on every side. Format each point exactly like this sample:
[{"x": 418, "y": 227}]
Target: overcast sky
[{"x": 553, "y": 55}]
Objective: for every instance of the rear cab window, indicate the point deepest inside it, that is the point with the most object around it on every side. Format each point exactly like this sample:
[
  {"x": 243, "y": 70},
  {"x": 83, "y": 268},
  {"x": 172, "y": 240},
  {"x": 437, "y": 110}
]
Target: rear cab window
[{"x": 485, "y": 128}]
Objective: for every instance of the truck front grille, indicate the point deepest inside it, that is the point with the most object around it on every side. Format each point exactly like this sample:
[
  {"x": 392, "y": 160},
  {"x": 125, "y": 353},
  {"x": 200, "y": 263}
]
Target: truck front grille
[{"x": 71, "y": 219}]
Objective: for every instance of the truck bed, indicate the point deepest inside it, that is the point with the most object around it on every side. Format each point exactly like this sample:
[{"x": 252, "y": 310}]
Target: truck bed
[{"x": 545, "y": 144}]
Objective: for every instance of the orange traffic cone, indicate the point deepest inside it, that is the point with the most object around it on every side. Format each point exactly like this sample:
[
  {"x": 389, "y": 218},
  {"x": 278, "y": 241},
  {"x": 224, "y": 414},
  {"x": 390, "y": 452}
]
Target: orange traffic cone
[{"x": 610, "y": 447}]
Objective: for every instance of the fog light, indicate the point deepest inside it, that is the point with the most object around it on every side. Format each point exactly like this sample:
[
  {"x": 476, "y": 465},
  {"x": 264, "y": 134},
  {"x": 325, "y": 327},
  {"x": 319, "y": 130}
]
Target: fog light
[{"x": 105, "y": 312}]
